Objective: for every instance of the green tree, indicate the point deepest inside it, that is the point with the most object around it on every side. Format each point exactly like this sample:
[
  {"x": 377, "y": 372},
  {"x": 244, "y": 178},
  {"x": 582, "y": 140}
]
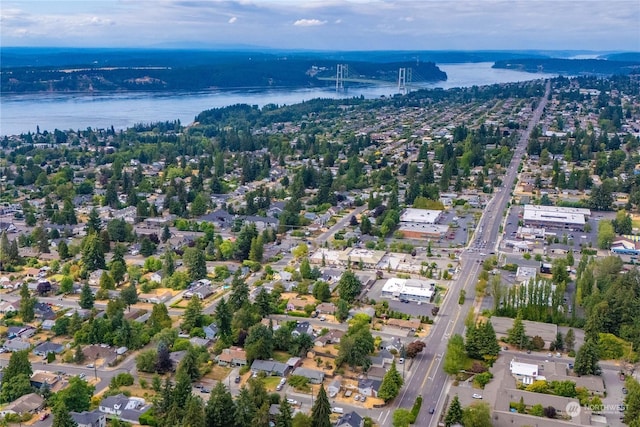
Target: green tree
[
  {"x": 300, "y": 419},
  {"x": 454, "y": 414},
  {"x": 283, "y": 419},
  {"x": 94, "y": 223},
  {"x": 321, "y": 291},
  {"x": 76, "y": 396},
  {"x": 196, "y": 263},
  {"x": 257, "y": 249},
  {"x": 168, "y": 265},
  {"x": 356, "y": 345},
  {"x": 129, "y": 295},
  {"x": 27, "y": 304},
  {"x": 194, "y": 413},
  {"x": 61, "y": 416},
  {"x": 342, "y": 310},
  {"x": 391, "y": 384},
  {"x": 632, "y": 402},
  {"x": 192, "y": 317},
  {"x": 305, "y": 268},
  {"x": 189, "y": 364},
  {"x": 455, "y": 358},
  {"x": 321, "y": 410},
  {"x": 223, "y": 318},
  {"x": 63, "y": 250},
  {"x": 66, "y": 285},
  {"x": 259, "y": 342},
  {"x": 586, "y": 362},
  {"x": 606, "y": 234},
  {"x": 17, "y": 387},
  {"x": 166, "y": 234},
  {"x": 349, "y": 286},
  {"x": 570, "y": 340},
  {"x": 402, "y": 417},
  {"x": 239, "y": 293},
  {"x": 86, "y": 297},
  {"x": 199, "y": 205},
  {"x": 477, "y": 415},
  {"x": 245, "y": 408},
  {"x": 517, "y": 334},
  {"x": 118, "y": 269},
  {"x": 220, "y": 410},
  {"x": 106, "y": 281},
  {"x": 93, "y": 253},
  {"x": 159, "y": 318}
]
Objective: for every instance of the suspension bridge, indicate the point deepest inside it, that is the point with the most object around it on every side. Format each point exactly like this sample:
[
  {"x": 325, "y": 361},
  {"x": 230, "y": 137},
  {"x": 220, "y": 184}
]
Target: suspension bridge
[{"x": 345, "y": 74}]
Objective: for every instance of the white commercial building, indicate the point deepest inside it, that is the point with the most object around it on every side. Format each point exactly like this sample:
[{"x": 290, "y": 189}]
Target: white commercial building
[
  {"x": 409, "y": 289},
  {"x": 555, "y": 217},
  {"x": 422, "y": 216}
]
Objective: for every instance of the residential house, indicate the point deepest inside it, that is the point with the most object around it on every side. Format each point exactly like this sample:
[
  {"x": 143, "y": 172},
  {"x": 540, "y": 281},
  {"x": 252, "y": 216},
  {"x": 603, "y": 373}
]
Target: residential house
[
  {"x": 29, "y": 403},
  {"x": 156, "y": 276},
  {"x": 199, "y": 342},
  {"x": 369, "y": 387},
  {"x": 40, "y": 378},
  {"x": 201, "y": 292},
  {"x": 350, "y": 419},
  {"x": 125, "y": 408},
  {"x": 44, "y": 311},
  {"x": 297, "y": 304},
  {"x": 526, "y": 373},
  {"x": 94, "y": 277},
  {"x": 154, "y": 298},
  {"x": 93, "y": 418},
  {"x": 383, "y": 357},
  {"x": 411, "y": 324},
  {"x": 326, "y": 308},
  {"x": 16, "y": 344},
  {"x": 270, "y": 367},
  {"x": 334, "y": 386},
  {"x": 211, "y": 331},
  {"x": 24, "y": 332},
  {"x": 9, "y": 307},
  {"x": 302, "y": 328},
  {"x": 234, "y": 356},
  {"x": 331, "y": 337},
  {"x": 48, "y": 324},
  {"x": 314, "y": 376},
  {"x": 47, "y": 347}
]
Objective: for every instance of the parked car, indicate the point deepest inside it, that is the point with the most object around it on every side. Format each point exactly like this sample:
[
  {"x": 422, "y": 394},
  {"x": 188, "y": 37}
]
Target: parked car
[
  {"x": 205, "y": 390},
  {"x": 44, "y": 416},
  {"x": 292, "y": 402},
  {"x": 476, "y": 396},
  {"x": 237, "y": 380}
]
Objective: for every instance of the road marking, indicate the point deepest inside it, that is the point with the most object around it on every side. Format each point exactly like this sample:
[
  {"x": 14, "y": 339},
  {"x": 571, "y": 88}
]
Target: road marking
[{"x": 385, "y": 417}]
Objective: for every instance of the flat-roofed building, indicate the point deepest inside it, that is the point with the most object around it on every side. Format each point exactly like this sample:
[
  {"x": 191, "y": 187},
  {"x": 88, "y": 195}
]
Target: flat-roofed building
[
  {"x": 526, "y": 373},
  {"x": 423, "y": 216},
  {"x": 409, "y": 289},
  {"x": 555, "y": 217},
  {"x": 418, "y": 230}
]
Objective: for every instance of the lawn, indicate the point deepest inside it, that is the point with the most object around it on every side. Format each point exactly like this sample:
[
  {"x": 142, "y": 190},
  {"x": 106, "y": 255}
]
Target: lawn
[
  {"x": 270, "y": 383},
  {"x": 218, "y": 373}
]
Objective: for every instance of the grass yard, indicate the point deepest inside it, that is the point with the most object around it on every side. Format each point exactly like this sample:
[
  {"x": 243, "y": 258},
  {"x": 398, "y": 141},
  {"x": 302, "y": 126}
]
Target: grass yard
[{"x": 218, "y": 373}]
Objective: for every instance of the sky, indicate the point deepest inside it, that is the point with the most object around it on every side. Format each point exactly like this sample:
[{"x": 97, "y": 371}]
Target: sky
[{"x": 595, "y": 25}]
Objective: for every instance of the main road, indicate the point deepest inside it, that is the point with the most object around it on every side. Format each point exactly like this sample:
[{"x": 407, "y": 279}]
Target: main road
[{"x": 428, "y": 379}]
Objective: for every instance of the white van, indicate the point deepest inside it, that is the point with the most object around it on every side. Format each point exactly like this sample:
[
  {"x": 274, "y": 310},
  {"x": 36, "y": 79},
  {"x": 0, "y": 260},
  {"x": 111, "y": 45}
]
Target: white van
[{"x": 337, "y": 410}]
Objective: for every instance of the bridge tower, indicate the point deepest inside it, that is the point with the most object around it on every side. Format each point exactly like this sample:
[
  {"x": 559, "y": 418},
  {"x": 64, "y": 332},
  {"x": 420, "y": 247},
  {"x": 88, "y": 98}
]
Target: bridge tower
[
  {"x": 404, "y": 80},
  {"x": 341, "y": 72}
]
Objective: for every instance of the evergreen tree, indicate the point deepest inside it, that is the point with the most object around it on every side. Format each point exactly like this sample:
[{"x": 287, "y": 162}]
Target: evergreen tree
[
  {"x": 63, "y": 250},
  {"x": 257, "y": 249},
  {"x": 349, "y": 286},
  {"x": 223, "y": 317},
  {"x": 168, "y": 266},
  {"x": 261, "y": 418},
  {"x": 129, "y": 295},
  {"x": 245, "y": 409},
  {"x": 61, "y": 416},
  {"x": 586, "y": 362},
  {"x": 455, "y": 357},
  {"x": 391, "y": 384},
  {"x": 192, "y": 315},
  {"x": 117, "y": 270},
  {"x": 163, "y": 361},
  {"x": 283, "y": 419},
  {"x": 93, "y": 253},
  {"x": 220, "y": 410},
  {"x": 27, "y": 304},
  {"x": 86, "y": 297},
  {"x": 239, "y": 293},
  {"x": 196, "y": 263},
  {"x": 189, "y": 364},
  {"x": 454, "y": 414},
  {"x": 305, "y": 268},
  {"x": 182, "y": 389},
  {"x": 321, "y": 410},
  {"x": 106, "y": 281},
  {"x": 159, "y": 319},
  {"x": 166, "y": 234},
  {"x": 194, "y": 413},
  {"x": 517, "y": 335},
  {"x": 570, "y": 340},
  {"x": 19, "y": 366}
]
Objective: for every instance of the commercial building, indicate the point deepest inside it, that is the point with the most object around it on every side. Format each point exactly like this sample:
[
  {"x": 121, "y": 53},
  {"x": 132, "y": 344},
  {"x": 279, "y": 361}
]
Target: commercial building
[
  {"x": 555, "y": 217},
  {"x": 421, "y": 224},
  {"x": 409, "y": 289}
]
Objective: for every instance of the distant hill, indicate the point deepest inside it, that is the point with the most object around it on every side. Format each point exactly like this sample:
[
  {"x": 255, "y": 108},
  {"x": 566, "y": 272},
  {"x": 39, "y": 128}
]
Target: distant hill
[
  {"x": 111, "y": 70},
  {"x": 570, "y": 67}
]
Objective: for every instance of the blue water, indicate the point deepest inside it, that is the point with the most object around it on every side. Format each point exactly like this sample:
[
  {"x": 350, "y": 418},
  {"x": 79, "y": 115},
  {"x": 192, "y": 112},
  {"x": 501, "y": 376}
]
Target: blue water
[{"x": 23, "y": 113}]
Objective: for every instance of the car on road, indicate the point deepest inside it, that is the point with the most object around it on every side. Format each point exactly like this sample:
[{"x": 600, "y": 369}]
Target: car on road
[
  {"x": 476, "y": 396},
  {"x": 432, "y": 410},
  {"x": 237, "y": 380},
  {"x": 205, "y": 390},
  {"x": 44, "y": 416},
  {"x": 279, "y": 387},
  {"x": 90, "y": 366},
  {"x": 401, "y": 360},
  {"x": 82, "y": 376},
  {"x": 292, "y": 402}
]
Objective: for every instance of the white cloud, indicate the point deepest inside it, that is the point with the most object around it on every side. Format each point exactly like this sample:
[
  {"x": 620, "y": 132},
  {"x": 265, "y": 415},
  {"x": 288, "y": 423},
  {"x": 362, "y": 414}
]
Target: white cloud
[
  {"x": 233, "y": 19},
  {"x": 309, "y": 22}
]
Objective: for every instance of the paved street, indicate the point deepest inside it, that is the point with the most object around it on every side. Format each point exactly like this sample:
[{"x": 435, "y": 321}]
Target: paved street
[{"x": 429, "y": 380}]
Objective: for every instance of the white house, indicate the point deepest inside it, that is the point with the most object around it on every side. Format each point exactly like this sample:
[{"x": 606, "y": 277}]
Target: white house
[{"x": 524, "y": 372}]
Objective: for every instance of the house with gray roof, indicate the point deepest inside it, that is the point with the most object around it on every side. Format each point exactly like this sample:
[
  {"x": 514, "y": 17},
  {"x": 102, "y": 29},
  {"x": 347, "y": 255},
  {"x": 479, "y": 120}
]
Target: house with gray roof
[
  {"x": 211, "y": 331},
  {"x": 369, "y": 387},
  {"x": 270, "y": 367},
  {"x": 48, "y": 347},
  {"x": 29, "y": 403},
  {"x": 350, "y": 419},
  {"x": 125, "y": 408},
  {"x": 314, "y": 376},
  {"x": 334, "y": 386},
  {"x": 89, "y": 418},
  {"x": 16, "y": 344}
]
